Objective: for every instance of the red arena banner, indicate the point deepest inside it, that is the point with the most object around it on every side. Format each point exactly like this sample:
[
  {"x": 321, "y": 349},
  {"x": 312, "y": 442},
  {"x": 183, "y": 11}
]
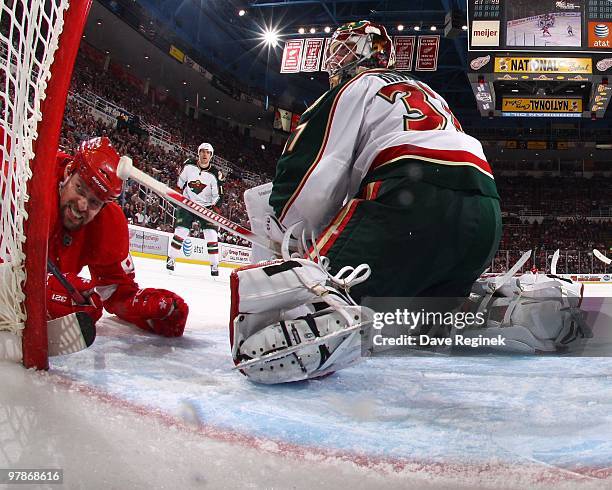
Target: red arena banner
[
  {"x": 292, "y": 54},
  {"x": 404, "y": 52},
  {"x": 427, "y": 53},
  {"x": 327, "y": 41},
  {"x": 311, "y": 58}
]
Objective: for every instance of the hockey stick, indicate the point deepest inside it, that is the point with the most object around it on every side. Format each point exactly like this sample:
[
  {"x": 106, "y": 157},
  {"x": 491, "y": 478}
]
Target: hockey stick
[
  {"x": 602, "y": 257},
  {"x": 76, "y": 295},
  {"x": 73, "y": 332},
  {"x": 126, "y": 170}
]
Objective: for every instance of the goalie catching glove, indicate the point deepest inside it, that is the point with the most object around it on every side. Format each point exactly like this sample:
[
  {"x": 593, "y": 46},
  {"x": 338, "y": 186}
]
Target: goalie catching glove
[{"x": 291, "y": 320}]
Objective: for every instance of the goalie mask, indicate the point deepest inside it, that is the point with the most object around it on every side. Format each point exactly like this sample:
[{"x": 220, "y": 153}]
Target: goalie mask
[{"x": 357, "y": 45}]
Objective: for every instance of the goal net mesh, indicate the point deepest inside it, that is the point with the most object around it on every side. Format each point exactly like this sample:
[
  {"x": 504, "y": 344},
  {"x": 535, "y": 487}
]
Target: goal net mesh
[{"x": 29, "y": 33}]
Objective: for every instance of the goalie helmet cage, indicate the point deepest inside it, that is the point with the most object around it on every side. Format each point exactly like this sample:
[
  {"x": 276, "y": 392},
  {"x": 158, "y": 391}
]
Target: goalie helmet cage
[{"x": 39, "y": 40}]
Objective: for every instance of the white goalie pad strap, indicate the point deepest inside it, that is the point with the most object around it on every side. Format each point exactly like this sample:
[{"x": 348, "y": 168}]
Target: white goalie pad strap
[
  {"x": 279, "y": 285},
  {"x": 312, "y": 360}
]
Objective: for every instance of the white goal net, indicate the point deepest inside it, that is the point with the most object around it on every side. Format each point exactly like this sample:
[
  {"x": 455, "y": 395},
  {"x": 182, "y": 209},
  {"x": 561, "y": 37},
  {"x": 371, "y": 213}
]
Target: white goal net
[{"x": 30, "y": 34}]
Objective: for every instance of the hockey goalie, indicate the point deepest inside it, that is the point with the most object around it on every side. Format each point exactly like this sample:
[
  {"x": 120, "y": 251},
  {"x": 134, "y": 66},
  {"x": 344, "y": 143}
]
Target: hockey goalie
[{"x": 379, "y": 175}]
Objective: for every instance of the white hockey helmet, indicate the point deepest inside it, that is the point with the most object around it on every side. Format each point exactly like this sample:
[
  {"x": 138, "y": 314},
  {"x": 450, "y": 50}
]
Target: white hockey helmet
[{"x": 206, "y": 146}]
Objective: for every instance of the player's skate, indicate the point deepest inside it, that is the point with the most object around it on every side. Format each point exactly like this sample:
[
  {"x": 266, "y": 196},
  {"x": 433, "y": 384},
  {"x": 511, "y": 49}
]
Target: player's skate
[
  {"x": 170, "y": 261},
  {"x": 214, "y": 271}
]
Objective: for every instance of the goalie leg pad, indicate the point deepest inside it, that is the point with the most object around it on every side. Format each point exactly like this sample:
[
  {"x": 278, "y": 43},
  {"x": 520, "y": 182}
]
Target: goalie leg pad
[
  {"x": 312, "y": 360},
  {"x": 288, "y": 323},
  {"x": 279, "y": 284},
  {"x": 533, "y": 313}
]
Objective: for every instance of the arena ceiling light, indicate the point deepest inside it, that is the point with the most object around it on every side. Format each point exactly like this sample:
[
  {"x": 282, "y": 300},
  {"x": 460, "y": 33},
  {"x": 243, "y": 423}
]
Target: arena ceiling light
[
  {"x": 400, "y": 27},
  {"x": 327, "y": 29},
  {"x": 312, "y": 30},
  {"x": 270, "y": 37},
  {"x": 241, "y": 12},
  {"x": 417, "y": 28},
  {"x": 433, "y": 28},
  {"x": 301, "y": 30}
]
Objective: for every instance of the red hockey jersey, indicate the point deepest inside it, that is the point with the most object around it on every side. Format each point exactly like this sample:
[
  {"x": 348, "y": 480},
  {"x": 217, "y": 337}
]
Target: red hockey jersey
[{"x": 102, "y": 245}]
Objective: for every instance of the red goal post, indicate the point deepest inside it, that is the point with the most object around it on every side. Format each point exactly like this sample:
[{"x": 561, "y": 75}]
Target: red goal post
[{"x": 38, "y": 47}]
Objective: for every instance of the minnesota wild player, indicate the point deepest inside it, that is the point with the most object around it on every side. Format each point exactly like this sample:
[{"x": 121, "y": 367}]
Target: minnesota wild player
[
  {"x": 198, "y": 183},
  {"x": 380, "y": 172}
]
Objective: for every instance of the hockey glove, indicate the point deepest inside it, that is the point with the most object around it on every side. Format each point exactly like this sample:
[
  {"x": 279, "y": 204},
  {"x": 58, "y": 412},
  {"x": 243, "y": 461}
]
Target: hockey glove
[
  {"x": 60, "y": 303},
  {"x": 157, "y": 310}
]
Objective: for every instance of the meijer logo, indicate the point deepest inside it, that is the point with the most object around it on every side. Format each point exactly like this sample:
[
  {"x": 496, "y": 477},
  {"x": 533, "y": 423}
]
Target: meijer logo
[{"x": 485, "y": 33}]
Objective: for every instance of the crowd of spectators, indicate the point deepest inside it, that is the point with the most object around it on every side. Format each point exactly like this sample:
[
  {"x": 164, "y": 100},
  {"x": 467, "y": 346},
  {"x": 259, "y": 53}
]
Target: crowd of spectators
[
  {"x": 541, "y": 214},
  {"x": 164, "y": 113},
  {"x": 555, "y": 196},
  {"x": 576, "y": 237},
  {"x": 554, "y": 233}
]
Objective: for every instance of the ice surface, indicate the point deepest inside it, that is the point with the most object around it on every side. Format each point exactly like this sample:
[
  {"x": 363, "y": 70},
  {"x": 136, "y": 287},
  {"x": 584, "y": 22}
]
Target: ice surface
[
  {"x": 138, "y": 411},
  {"x": 529, "y": 34}
]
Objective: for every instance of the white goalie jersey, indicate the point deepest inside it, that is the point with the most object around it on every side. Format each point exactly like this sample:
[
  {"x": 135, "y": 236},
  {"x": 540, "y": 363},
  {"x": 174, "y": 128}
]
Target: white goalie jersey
[
  {"x": 199, "y": 185},
  {"x": 362, "y": 127}
]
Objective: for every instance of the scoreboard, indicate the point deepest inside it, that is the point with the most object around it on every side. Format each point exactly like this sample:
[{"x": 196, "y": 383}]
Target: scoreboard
[
  {"x": 486, "y": 9},
  {"x": 583, "y": 26}
]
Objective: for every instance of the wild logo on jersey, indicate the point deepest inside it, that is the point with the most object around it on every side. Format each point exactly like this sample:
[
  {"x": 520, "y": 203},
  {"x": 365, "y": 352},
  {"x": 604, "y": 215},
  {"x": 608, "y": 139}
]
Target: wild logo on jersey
[{"x": 196, "y": 186}]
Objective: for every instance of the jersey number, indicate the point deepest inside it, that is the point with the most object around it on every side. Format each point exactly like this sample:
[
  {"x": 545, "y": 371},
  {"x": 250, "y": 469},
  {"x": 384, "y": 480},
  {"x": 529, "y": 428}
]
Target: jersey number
[
  {"x": 293, "y": 138},
  {"x": 422, "y": 114}
]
